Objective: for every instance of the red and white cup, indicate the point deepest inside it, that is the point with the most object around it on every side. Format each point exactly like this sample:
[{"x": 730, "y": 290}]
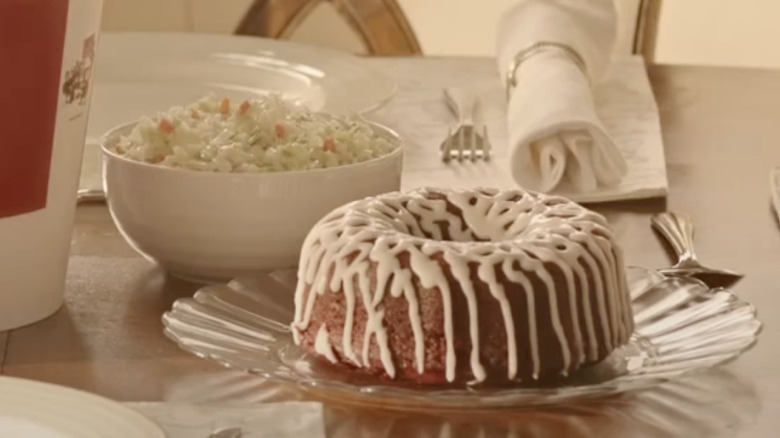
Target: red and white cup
[{"x": 47, "y": 54}]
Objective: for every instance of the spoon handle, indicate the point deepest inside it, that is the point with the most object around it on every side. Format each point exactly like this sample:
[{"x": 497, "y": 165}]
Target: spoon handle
[{"x": 678, "y": 231}]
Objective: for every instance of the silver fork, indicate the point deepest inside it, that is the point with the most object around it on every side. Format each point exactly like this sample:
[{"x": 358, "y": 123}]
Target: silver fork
[{"x": 465, "y": 142}]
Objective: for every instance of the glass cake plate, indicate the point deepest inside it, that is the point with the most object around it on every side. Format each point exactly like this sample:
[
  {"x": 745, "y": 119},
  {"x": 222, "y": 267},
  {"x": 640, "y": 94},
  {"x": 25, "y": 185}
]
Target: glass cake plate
[{"x": 682, "y": 326}]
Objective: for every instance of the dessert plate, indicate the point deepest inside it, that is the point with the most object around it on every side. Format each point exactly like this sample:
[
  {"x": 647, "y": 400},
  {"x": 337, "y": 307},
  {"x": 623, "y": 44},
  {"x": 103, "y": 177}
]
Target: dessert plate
[
  {"x": 711, "y": 404},
  {"x": 34, "y": 409},
  {"x": 682, "y": 326}
]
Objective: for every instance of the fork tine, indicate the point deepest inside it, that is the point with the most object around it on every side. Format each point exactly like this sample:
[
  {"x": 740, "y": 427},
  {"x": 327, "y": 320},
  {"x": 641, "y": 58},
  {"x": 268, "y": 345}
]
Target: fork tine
[
  {"x": 473, "y": 141},
  {"x": 447, "y": 147},
  {"x": 461, "y": 140},
  {"x": 485, "y": 143}
]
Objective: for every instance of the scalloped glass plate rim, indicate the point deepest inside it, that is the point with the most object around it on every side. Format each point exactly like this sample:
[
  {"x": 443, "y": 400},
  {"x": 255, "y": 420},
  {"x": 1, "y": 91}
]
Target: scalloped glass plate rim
[{"x": 391, "y": 395}]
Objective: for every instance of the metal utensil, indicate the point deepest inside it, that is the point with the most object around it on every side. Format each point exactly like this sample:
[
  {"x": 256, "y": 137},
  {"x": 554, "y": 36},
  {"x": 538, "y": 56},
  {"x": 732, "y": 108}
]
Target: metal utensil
[
  {"x": 230, "y": 432},
  {"x": 774, "y": 189},
  {"x": 678, "y": 231},
  {"x": 466, "y": 141}
]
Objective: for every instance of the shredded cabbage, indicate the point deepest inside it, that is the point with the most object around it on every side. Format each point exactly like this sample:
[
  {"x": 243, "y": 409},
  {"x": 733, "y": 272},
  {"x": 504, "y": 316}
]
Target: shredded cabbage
[{"x": 262, "y": 134}]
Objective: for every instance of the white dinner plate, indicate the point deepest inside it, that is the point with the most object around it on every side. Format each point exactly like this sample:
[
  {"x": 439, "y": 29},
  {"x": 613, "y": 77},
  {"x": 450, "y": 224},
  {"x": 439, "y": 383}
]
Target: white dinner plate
[
  {"x": 41, "y": 410},
  {"x": 139, "y": 74}
]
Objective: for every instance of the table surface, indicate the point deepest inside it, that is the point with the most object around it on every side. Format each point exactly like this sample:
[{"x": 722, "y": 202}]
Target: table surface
[{"x": 720, "y": 129}]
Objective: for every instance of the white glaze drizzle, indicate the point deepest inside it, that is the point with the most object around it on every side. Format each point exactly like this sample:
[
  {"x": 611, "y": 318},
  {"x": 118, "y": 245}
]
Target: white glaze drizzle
[
  {"x": 590, "y": 326},
  {"x": 322, "y": 344},
  {"x": 549, "y": 284},
  {"x": 520, "y": 278},
  {"x": 594, "y": 268},
  {"x": 487, "y": 274},
  {"x": 627, "y": 323},
  {"x": 572, "y": 288},
  {"x": 494, "y": 231}
]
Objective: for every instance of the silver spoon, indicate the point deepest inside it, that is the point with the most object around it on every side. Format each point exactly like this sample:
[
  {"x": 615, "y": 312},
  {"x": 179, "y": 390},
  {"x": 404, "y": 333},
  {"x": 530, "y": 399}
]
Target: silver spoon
[
  {"x": 678, "y": 231},
  {"x": 230, "y": 432}
]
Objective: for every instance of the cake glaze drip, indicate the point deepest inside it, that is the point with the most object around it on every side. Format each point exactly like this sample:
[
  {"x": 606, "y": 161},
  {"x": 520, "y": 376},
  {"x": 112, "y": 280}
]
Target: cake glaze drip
[
  {"x": 445, "y": 237},
  {"x": 322, "y": 344}
]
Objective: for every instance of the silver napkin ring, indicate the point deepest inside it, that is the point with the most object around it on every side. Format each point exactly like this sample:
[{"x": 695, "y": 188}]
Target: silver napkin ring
[{"x": 535, "y": 48}]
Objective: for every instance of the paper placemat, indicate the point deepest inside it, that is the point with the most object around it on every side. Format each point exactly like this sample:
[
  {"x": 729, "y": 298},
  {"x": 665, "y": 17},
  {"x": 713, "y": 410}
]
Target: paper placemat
[{"x": 624, "y": 101}]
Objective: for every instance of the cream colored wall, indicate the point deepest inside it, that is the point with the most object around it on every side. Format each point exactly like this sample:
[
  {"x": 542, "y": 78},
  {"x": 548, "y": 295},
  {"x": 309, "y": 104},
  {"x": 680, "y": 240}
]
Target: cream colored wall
[
  {"x": 469, "y": 28},
  {"x": 220, "y": 16},
  {"x": 470, "y": 25},
  {"x": 708, "y": 32},
  {"x": 720, "y": 32},
  {"x": 450, "y": 27}
]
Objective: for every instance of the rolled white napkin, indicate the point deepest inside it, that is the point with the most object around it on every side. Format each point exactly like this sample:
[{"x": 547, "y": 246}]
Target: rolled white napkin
[{"x": 554, "y": 132}]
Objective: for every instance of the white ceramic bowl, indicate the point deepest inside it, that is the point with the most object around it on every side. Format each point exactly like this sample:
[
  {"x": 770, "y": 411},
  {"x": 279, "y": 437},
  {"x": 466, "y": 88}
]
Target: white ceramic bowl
[{"x": 215, "y": 226}]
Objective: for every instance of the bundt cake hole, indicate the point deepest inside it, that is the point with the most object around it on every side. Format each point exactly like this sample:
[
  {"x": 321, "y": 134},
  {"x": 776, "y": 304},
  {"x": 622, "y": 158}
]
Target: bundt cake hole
[
  {"x": 443, "y": 229},
  {"x": 452, "y": 228}
]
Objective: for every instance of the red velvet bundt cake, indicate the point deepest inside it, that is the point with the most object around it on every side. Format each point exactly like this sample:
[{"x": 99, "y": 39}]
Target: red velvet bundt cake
[{"x": 437, "y": 286}]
